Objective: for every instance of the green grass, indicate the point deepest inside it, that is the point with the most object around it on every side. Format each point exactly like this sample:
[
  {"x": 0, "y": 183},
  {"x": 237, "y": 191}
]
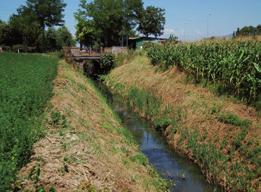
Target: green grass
[
  {"x": 230, "y": 118},
  {"x": 25, "y": 87}
]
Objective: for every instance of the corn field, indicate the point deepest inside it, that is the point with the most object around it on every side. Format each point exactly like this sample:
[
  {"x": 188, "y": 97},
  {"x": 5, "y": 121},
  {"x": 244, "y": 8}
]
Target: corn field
[{"x": 234, "y": 65}]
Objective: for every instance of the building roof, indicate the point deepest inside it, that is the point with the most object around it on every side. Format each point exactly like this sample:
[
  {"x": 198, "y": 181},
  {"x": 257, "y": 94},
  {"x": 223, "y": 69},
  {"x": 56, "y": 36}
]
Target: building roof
[{"x": 147, "y": 38}]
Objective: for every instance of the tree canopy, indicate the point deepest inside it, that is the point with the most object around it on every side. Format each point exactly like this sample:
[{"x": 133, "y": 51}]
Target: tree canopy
[
  {"x": 46, "y": 12},
  {"x": 33, "y": 26},
  {"x": 109, "y": 22},
  {"x": 248, "y": 30},
  {"x": 152, "y": 21}
]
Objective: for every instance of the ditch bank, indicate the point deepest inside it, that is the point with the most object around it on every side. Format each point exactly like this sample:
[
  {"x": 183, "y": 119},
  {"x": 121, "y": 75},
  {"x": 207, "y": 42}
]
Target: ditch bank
[
  {"x": 220, "y": 134},
  {"x": 182, "y": 174},
  {"x": 85, "y": 147}
]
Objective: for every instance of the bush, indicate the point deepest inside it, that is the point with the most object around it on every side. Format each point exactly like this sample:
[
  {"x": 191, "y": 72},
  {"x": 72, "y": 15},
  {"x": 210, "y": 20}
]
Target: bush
[{"x": 106, "y": 63}]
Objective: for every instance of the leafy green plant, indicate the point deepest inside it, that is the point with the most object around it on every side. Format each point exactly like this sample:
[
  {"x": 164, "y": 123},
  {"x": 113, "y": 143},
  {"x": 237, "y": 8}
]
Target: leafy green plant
[
  {"x": 35, "y": 173},
  {"x": 107, "y": 62},
  {"x": 26, "y": 86},
  {"x": 234, "y": 65},
  {"x": 57, "y": 119}
]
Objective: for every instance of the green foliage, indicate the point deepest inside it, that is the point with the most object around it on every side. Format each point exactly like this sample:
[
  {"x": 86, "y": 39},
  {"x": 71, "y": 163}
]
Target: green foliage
[
  {"x": 119, "y": 20},
  {"x": 162, "y": 123},
  {"x": 35, "y": 173},
  {"x": 106, "y": 63},
  {"x": 234, "y": 65},
  {"x": 64, "y": 38},
  {"x": 57, "y": 39},
  {"x": 155, "y": 53},
  {"x": 85, "y": 32},
  {"x": 107, "y": 21},
  {"x": 152, "y": 21},
  {"x": 52, "y": 189},
  {"x": 28, "y": 27},
  {"x": 57, "y": 119},
  {"x": 248, "y": 30},
  {"x": 233, "y": 119},
  {"x": 26, "y": 85},
  {"x": 146, "y": 103},
  {"x": 47, "y": 12},
  {"x": 140, "y": 159}
]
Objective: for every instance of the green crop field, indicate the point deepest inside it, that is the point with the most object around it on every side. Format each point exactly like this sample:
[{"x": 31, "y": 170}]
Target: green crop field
[
  {"x": 233, "y": 64},
  {"x": 25, "y": 87}
]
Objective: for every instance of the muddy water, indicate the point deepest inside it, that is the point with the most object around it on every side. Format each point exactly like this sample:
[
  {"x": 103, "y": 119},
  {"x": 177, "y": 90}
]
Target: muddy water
[{"x": 170, "y": 165}]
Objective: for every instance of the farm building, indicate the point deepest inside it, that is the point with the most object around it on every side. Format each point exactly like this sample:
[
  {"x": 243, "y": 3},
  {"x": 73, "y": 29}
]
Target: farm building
[{"x": 137, "y": 42}]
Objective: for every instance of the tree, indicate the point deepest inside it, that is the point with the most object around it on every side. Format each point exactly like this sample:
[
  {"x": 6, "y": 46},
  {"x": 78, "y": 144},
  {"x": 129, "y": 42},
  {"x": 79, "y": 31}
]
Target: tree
[
  {"x": 248, "y": 31},
  {"x": 47, "y": 13},
  {"x": 86, "y": 33},
  {"x": 109, "y": 20},
  {"x": 3, "y": 26},
  {"x": 152, "y": 21},
  {"x": 64, "y": 37},
  {"x": 32, "y": 19},
  {"x": 57, "y": 39},
  {"x": 258, "y": 29},
  {"x": 50, "y": 40},
  {"x": 10, "y": 35},
  {"x": 25, "y": 26}
]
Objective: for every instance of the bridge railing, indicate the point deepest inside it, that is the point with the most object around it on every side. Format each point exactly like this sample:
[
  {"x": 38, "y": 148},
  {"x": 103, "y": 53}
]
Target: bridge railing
[{"x": 72, "y": 53}]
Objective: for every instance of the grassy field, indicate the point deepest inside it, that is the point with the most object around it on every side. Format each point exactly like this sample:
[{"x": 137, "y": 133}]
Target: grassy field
[
  {"x": 25, "y": 87},
  {"x": 219, "y": 133}
]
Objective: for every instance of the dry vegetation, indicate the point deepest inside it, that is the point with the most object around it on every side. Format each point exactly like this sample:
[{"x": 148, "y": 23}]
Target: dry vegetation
[
  {"x": 85, "y": 147},
  {"x": 219, "y": 133},
  {"x": 248, "y": 38}
]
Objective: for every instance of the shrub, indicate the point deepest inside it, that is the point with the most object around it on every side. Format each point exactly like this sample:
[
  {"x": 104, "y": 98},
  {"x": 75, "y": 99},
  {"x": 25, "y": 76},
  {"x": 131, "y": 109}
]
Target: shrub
[{"x": 106, "y": 63}]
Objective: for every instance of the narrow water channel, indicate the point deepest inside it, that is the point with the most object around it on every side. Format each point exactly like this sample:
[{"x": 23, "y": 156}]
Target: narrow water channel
[{"x": 170, "y": 165}]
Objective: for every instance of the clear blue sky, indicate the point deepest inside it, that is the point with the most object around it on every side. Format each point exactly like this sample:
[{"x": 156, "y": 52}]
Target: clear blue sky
[{"x": 188, "y": 19}]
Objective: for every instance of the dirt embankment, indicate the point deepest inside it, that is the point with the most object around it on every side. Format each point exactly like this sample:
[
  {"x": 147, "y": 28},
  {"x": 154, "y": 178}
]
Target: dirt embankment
[
  {"x": 85, "y": 147},
  {"x": 219, "y": 133}
]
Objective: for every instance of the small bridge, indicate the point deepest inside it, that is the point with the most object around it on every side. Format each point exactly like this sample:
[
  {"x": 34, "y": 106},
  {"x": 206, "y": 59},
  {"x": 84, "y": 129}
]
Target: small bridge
[
  {"x": 88, "y": 58},
  {"x": 77, "y": 54}
]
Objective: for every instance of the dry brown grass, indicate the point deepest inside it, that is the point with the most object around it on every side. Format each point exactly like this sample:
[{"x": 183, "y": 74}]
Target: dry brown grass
[
  {"x": 88, "y": 153},
  {"x": 197, "y": 103},
  {"x": 249, "y": 38}
]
